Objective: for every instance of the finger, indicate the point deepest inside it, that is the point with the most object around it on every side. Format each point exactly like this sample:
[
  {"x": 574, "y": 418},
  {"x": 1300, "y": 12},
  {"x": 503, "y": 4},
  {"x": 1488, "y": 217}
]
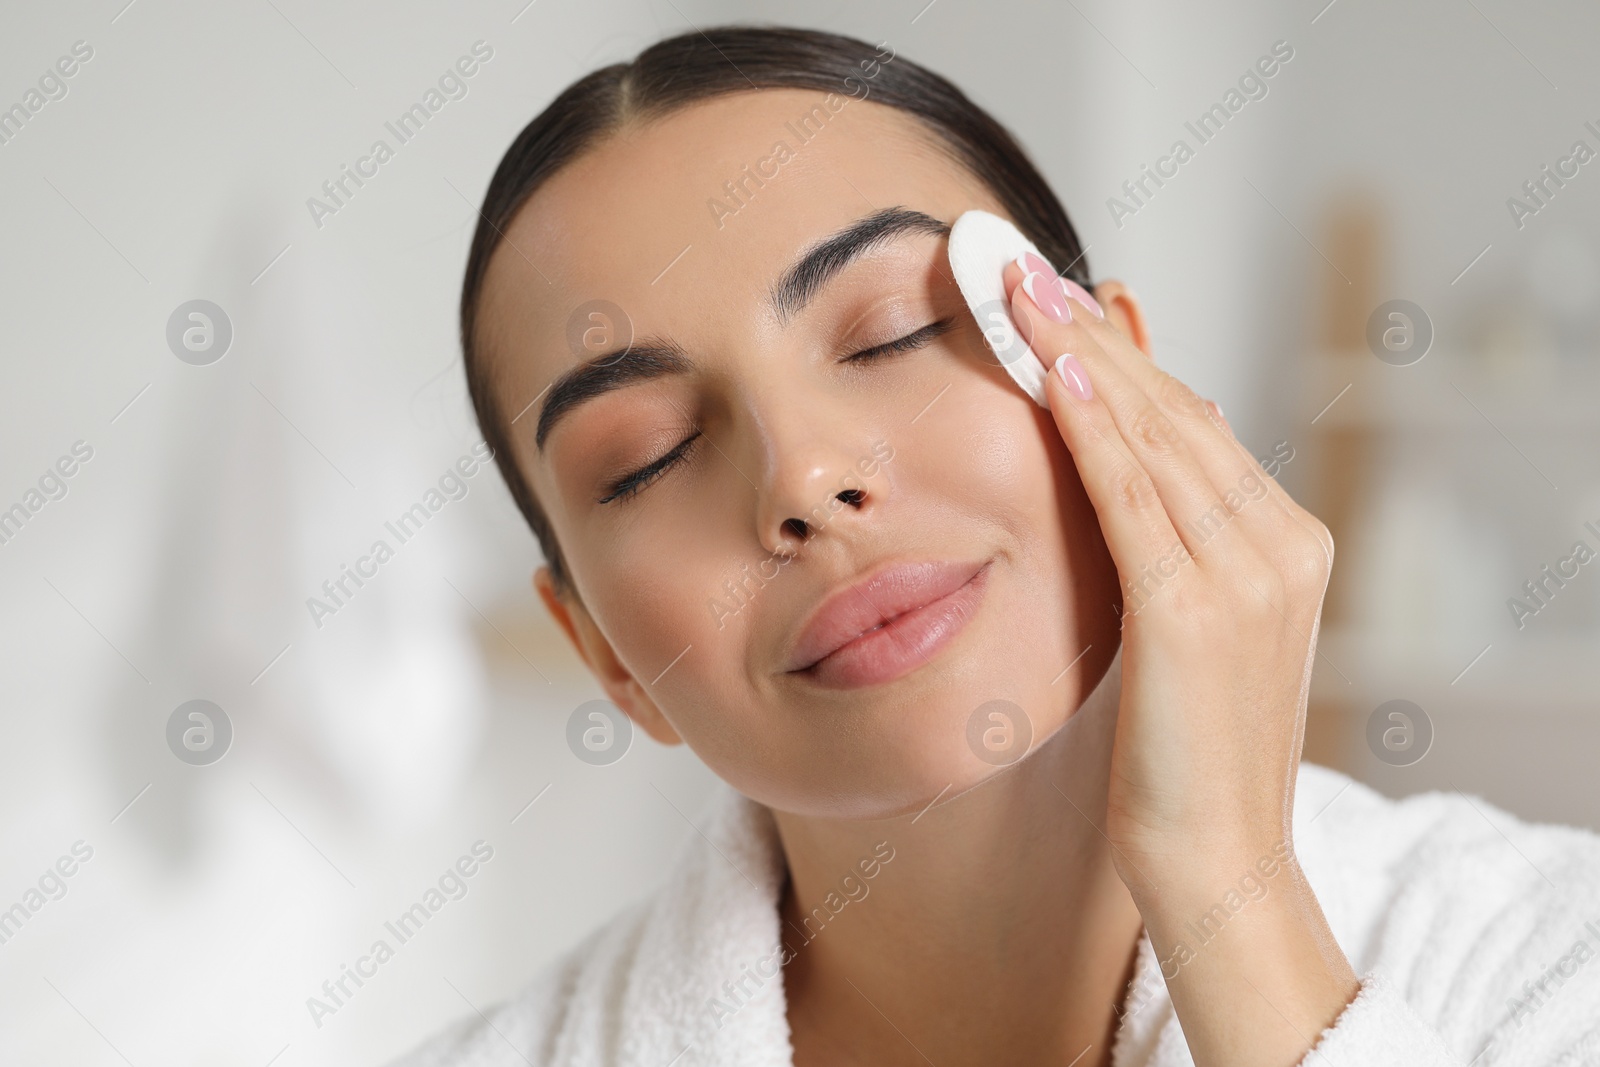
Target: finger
[
  {"x": 1138, "y": 530},
  {"x": 1201, "y": 431},
  {"x": 1156, "y": 381},
  {"x": 1234, "y": 473},
  {"x": 1216, "y": 413},
  {"x": 1154, "y": 442},
  {"x": 1199, "y": 421}
]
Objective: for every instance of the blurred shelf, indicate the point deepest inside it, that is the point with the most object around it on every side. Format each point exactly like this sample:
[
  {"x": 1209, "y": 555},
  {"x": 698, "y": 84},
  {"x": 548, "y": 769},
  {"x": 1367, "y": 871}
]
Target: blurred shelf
[
  {"x": 1452, "y": 391},
  {"x": 1521, "y": 673}
]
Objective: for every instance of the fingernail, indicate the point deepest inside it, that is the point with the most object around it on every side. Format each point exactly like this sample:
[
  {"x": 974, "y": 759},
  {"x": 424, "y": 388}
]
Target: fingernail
[
  {"x": 1221, "y": 418},
  {"x": 1081, "y": 295},
  {"x": 1030, "y": 263},
  {"x": 1047, "y": 297},
  {"x": 1074, "y": 376}
]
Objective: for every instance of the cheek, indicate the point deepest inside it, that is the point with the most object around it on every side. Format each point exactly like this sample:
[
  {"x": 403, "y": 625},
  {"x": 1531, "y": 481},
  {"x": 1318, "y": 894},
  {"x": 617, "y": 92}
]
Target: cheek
[
  {"x": 1011, "y": 472},
  {"x": 675, "y": 600},
  {"x": 1002, "y": 463},
  {"x": 659, "y": 594},
  {"x": 1020, "y": 470}
]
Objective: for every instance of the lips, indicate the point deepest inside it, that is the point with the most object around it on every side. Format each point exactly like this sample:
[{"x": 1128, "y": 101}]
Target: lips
[{"x": 889, "y": 622}]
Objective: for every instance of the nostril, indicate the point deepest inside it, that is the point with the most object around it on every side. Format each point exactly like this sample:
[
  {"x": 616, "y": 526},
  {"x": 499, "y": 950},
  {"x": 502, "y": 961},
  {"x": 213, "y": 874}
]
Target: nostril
[
  {"x": 852, "y": 497},
  {"x": 797, "y": 527}
]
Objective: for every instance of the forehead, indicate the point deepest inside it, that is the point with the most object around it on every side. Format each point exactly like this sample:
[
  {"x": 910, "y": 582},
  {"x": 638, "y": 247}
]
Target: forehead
[{"x": 683, "y": 223}]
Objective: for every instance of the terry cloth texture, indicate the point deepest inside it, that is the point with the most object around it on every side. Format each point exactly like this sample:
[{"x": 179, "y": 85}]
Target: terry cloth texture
[{"x": 1476, "y": 937}]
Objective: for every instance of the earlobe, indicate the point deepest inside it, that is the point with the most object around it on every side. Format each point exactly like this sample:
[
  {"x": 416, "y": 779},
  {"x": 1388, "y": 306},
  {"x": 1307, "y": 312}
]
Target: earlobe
[
  {"x": 645, "y": 715},
  {"x": 597, "y": 654},
  {"x": 558, "y": 609},
  {"x": 1124, "y": 311}
]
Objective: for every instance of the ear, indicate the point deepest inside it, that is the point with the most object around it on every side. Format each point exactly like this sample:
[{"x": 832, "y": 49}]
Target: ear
[
  {"x": 596, "y": 652},
  {"x": 1124, "y": 312}
]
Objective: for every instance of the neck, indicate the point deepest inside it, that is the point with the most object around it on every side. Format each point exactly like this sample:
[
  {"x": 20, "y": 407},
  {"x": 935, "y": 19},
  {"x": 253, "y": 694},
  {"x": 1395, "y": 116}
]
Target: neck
[{"x": 996, "y": 931}]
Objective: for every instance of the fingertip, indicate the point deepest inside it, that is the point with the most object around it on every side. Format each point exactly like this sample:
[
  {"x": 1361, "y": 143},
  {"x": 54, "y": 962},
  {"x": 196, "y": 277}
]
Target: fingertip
[
  {"x": 1082, "y": 296},
  {"x": 1217, "y": 415},
  {"x": 1011, "y": 277},
  {"x": 1073, "y": 377},
  {"x": 1046, "y": 297}
]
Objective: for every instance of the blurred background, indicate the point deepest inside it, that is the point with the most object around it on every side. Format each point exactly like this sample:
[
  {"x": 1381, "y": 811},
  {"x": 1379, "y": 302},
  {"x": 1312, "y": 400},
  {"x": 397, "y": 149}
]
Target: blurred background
[{"x": 1384, "y": 264}]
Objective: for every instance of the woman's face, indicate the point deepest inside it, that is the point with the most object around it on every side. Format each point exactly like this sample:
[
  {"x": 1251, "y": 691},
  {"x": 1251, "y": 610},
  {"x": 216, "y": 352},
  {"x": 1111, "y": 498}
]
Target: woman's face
[{"x": 696, "y": 585}]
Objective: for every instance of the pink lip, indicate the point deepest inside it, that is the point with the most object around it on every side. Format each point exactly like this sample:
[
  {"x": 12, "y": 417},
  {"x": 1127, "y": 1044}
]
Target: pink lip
[{"x": 889, "y": 624}]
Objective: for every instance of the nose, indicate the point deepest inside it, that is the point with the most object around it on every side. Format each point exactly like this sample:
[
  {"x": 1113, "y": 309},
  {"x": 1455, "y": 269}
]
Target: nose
[{"x": 816, "y": 473}]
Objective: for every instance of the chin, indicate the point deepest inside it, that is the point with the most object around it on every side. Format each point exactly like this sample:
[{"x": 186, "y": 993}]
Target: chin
[
  {"x": 917, "y": 752},
  {"x": 983, "y": 705}
]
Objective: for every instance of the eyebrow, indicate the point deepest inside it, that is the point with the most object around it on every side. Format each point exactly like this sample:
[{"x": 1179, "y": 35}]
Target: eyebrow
[
  {"x": 817, "y": 265},
  {"x": 656, "y": 357}
]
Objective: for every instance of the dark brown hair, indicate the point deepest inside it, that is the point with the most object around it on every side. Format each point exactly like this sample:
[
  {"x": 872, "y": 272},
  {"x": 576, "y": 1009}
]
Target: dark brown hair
[{"x": 697, "y": 66}]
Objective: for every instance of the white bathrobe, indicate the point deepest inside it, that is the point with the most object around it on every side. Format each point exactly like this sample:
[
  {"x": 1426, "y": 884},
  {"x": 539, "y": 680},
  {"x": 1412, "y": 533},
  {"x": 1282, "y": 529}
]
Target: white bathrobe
[{"x": 1476, "y": 936}]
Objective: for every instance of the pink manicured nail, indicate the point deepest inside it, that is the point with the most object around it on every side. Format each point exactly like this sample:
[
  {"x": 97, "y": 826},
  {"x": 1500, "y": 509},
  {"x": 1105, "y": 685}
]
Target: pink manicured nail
[
  {"x": 1030, "y": 263},
  {"x": 1048, "y": 298},
  {"x": 1074, "y": 376},
  {"x": 1081, "y": 295},
  {"x": 1216, "y": 409}
]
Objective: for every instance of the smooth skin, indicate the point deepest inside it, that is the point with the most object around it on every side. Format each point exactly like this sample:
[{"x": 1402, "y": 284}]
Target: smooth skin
[{"x": 1004, "y": 929}]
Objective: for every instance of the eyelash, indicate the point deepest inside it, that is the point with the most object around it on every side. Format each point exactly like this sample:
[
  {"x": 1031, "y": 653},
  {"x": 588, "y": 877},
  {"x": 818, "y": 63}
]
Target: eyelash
[
  {"x": 629, "y": 484},
  {"x": 915, "y": 339}
]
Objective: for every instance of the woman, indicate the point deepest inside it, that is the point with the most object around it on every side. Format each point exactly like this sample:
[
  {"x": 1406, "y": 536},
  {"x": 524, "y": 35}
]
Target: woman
[{"x": 1010, "y": 699}]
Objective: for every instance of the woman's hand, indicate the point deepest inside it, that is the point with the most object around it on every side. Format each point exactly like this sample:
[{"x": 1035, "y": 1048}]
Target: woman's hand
[{"x": 1223, "y": 577}]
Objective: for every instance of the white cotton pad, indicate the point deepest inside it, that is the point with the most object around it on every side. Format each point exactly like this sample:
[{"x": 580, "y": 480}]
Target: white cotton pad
[{"x": 981, "y": 244}]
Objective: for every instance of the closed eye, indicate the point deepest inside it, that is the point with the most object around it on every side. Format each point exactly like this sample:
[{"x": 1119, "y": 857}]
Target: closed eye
[
  {"x": 915, "y": 339},
  {"x": 630, "y": 484}
]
